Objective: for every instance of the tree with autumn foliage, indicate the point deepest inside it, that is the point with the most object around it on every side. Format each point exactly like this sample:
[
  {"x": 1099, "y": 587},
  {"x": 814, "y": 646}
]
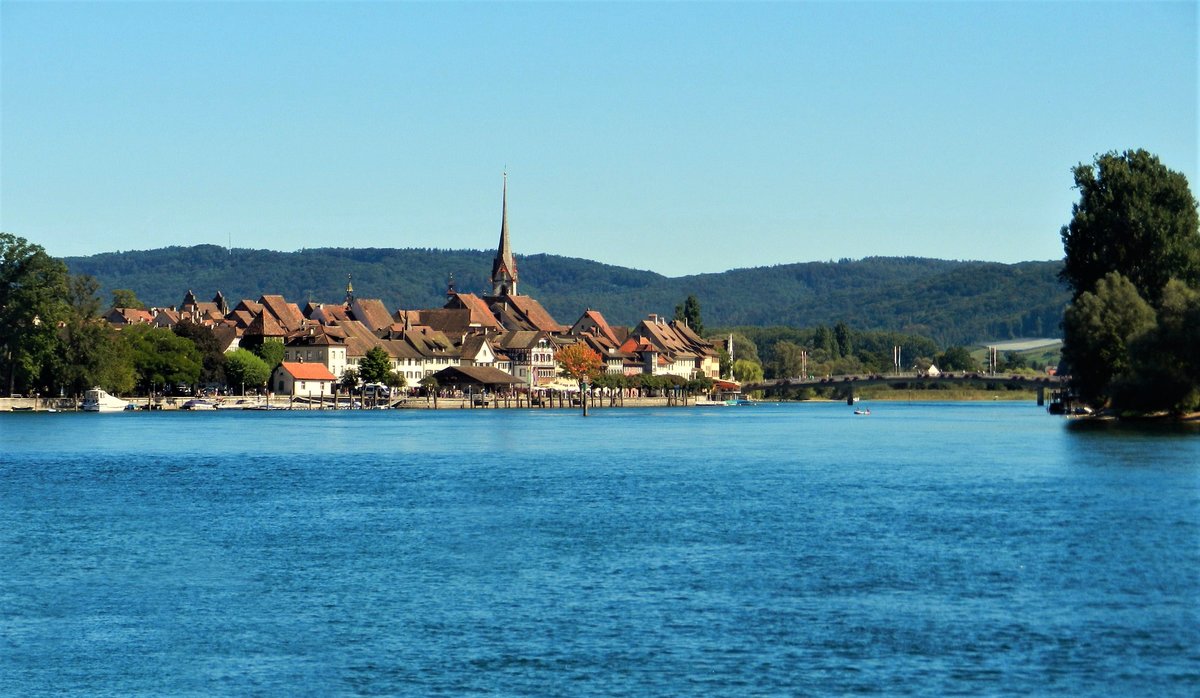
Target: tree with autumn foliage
[{"x": 579, "y": 362}]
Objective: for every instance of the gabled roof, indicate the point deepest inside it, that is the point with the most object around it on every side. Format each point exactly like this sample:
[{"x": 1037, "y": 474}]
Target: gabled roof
[
  {"x": 371, "y": 312},
  {"x": 520, "y": 339},
  {"x": 166, "y": 317},
  {"x": 316, "y": 335},
  {"x": 311, "y": 371},
  {"x": 129, "y": 316},
  {"x": 593, "y": 319},
  {"x": 289, "y": 316},
  {"x": 524, "y": 313},
  {"x": 473, "y": 346},
  {"x": 359, "y": 338},
  {"x": 265, "y": 325},
  {"x": 480, "y": 314}
]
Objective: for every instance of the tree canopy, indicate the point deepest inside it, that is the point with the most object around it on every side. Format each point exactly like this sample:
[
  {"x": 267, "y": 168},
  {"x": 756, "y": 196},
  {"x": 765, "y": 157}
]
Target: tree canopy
[
  {"x": 243, "y": 367},
  {"x": 1135, "y": 217},
  {"x": 375, "y": 366},
  {"x": 579, "y": 362},
  {"x": 32, "y": 288},
  {"x": 689, "y": 312},
  {"x": 1133, "y": 263}
]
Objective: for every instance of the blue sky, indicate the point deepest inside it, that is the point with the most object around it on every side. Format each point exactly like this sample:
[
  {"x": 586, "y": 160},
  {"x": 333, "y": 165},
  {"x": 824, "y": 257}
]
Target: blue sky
[{"x": 682, "y": 138}]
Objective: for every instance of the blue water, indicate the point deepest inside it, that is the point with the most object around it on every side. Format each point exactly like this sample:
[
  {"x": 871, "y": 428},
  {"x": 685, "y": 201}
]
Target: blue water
[{"x": 771, "y": 550}]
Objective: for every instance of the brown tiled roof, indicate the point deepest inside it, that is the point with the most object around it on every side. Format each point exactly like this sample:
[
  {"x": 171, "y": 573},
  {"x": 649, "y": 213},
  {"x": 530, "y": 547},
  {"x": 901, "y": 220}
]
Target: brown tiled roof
[
  {"x": 600, "y": 323},
  {"x": 520, "y": 339},
  {"x": 536, "y": 316},
  {"x": 371, "y": 312},
  {"x": 288, "y": 315},
  {"x": 166, "y": 317},
  {"x": 265, "y": 325},
  {"x": 329, "y": 313},
  {"x": 481, "y": 315},
  {"x": 359, "y": 338},
  {"x": 315, "y": 335}
]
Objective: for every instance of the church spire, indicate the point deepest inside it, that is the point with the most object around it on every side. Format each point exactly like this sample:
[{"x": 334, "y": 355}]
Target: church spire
[
  {"x": 349, "y": 291},
  {"x": 504, "y": 267}
]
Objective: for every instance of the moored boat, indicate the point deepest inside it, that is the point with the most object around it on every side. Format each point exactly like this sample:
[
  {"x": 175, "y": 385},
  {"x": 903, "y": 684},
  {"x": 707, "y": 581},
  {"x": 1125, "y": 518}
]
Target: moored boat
[
  {"x": 198, "y": 405},
  {"x": 97, "y": 400}
]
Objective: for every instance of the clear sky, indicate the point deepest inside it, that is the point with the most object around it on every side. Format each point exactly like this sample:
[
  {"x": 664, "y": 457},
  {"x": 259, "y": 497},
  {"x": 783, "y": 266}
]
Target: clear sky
[{"x": 677, "y": 137}]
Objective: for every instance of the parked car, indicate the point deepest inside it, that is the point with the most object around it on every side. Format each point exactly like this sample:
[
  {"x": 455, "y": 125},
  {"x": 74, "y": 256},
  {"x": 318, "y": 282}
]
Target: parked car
[{"x": 376, "y": 390}]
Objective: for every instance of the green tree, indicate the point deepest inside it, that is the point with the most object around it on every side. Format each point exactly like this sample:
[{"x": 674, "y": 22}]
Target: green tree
[
  {"x": 689, "y": 312},
  {"x": 747, "y": 371},
  {"x": 1165, "y": 371},
  {"x": 211, "y": 350},
  {"x": 1098, "y": 329},
  {"x": 161, "y": 357},
  {"x": 824, "y": 341},
  {"x": 844, "y": 339},
  {"x": 244, "y": 368},
  {"x": 1012, "y": 361},
  {"x": 745, "y": 348},
  {"x": 956, "y": 359},
  {"x": 125, "y": 298},
  {"x": 91, "y": 351},
  {"x": 375, "y": 365},
  {"x": 349, "y": 381},
  {"x": 1134, "y": 217},
  {"x": 32, "y": 288},
  {"x": 395, "y": 379},
  {"x": 271, "y": 351},
  {"x": 789, "y": 360}
]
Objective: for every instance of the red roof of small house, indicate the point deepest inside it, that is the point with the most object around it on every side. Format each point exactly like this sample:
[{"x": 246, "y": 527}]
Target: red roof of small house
[{"x": 307, "y": 371}]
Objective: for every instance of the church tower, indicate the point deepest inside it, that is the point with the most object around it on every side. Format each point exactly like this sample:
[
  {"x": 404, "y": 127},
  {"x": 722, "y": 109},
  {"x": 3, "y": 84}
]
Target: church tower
[{"x": 504, "y": 267}]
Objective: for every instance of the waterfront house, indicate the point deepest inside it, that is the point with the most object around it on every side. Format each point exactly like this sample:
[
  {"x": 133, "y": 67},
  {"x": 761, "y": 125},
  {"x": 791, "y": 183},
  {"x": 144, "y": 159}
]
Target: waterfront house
[{"x": 303, "y": 380}]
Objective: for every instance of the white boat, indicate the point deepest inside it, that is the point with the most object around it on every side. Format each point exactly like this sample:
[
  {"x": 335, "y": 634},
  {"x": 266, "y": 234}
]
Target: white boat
[
  {"x": 198, "y": 405},
  {"x": 97, "y": 400}
]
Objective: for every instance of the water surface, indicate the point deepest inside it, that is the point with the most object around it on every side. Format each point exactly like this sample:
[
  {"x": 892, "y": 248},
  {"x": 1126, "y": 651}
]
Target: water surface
[{"x": 927, "y": 549}]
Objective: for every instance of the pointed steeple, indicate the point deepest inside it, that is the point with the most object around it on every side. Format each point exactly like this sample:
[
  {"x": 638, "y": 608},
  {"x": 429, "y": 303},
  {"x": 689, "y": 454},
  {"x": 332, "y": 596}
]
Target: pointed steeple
[
  {"x": 504, "y": 267},
  {"x": 349, "y": 291}
]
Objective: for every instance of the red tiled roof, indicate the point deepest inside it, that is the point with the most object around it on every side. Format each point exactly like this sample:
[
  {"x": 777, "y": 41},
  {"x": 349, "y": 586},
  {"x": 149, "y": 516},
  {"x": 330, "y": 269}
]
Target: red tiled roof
[{"x": 307, "y": 371}]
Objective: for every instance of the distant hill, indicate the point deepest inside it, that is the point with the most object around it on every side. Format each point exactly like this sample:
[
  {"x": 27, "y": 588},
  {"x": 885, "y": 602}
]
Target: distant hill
[{"x": 949, "y": 301}]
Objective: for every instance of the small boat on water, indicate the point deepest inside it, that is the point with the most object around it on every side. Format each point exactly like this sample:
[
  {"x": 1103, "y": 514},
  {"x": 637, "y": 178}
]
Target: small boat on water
[
  {"x": 866, "y": 411},
  {"x": 97, "y": 400},
  {"x": 198, "y": 405}
]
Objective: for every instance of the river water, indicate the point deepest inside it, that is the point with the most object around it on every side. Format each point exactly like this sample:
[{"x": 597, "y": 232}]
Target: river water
[{"x": 929, "y": 549}]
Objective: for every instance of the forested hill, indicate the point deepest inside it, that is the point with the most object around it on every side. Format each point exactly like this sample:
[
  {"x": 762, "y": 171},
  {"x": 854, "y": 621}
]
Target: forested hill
[{"x": 949, "y": 301}]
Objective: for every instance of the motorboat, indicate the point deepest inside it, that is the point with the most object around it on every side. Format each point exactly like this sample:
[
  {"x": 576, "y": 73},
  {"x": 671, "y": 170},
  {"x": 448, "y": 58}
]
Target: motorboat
[
  {"x": 97, "y": 400},
  {"x": 866, "y": 411},
  {"x": 198, "y": 405}
]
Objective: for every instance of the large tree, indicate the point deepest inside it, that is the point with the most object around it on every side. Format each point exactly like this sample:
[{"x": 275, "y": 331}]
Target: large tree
[
  {"x": 1099, "y": 328},
  {"x": 689, "y": 312},
  {"x": 90, "y": 351},
  {"x": 32, "y": 288},
  {"x": 1135, "y": 217},
  {"x": 162, "y": 357},
  {"x": 375, "y": 366},
  {"x": 579, "y": 363},
  {"x": 212, "y": 352},
  {"x": 243, "y": 367}
]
